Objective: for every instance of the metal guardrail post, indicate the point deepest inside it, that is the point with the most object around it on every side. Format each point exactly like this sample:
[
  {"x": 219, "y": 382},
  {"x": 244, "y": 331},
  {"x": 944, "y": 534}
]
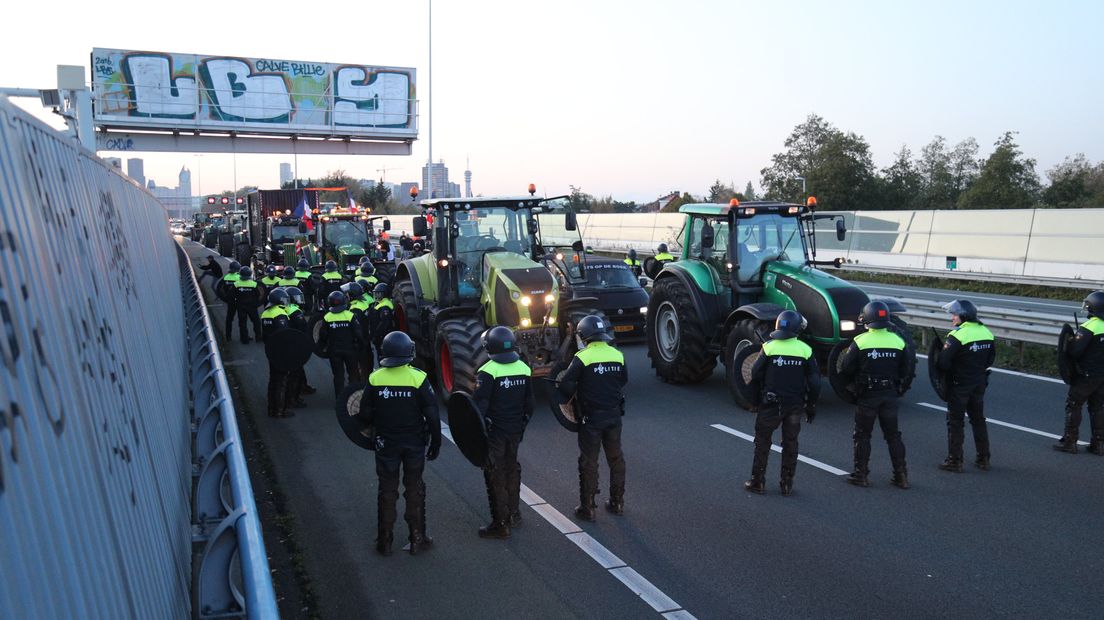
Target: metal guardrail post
[{"x": 216, "y": 595}]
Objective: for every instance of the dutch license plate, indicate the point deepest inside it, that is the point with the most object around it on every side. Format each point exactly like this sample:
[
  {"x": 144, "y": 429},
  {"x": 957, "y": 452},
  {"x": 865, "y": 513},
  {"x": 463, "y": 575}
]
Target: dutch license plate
[{"x": 622, "y": 328}]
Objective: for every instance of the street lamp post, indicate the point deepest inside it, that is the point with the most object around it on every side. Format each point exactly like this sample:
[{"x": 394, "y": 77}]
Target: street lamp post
[
  {"x": 802, "y": 179},
  {"x": 429, "y": 102}
]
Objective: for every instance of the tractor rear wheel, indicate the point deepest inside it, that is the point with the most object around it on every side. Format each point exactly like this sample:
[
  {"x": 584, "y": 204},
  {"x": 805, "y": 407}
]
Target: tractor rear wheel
[
  {"x": 458, "y": 355},
  {"x": 677, "y": 345},
  {"x": 407, "y": 319},
  {"x": 737, "y": 375}
]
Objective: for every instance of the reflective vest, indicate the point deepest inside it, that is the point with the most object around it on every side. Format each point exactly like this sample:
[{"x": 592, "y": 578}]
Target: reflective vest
[
  {"x": 231, "y": 277},
  {"x": 790, "y": 347},
  {"x": 331, "y": 275},
  {"x": 634, "y": 263},
  {"x": 303, "y": 275},
  {"x": 360, "y": 304},
  {"x": 385, "y": 303},
  {"x": 664, "y": 256},
  {"x": 270, "y": 280},
  {"x": 971, "y": 332},
  {"x": 291, "y": 282},
  {"x": 392, "y": 393},
  {"x": 272, "y": 312},
  {"x": 245, "y": 284}
]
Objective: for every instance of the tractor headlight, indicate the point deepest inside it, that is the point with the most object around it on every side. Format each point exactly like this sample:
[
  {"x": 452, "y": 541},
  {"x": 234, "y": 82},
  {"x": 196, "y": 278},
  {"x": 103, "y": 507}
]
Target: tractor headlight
[
  {"x": 442, "y": 263},
  {"x": 559, "y": 256},
  {"x": 644, "y": 310},
  {"x": 847, "y": 326},
  {"x": 526, "y": 322},
  {"x": 551, "y": 320},
  {"x": 549, "y": 298},
  {"x": 526, "y": 300},
  {"x": 515, "y": 295}
]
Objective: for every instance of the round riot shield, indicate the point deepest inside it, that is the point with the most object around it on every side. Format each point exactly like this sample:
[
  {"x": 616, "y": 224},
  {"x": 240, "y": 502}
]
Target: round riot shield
[
  {"x": 1066, "y": 368},
  {"x": 466, "y": 424},
  {"x": 563, "y": 409},
  {"x": 348, "y": 406},
  {"x": 652, "y": 267},
  {"x": 315, "y": 333},
  {"x": 288, "y": 349},
  {"x": 739, "y": 373},
  {"x": 939, "y": 378},
  {"x": 839, "y": 384}
]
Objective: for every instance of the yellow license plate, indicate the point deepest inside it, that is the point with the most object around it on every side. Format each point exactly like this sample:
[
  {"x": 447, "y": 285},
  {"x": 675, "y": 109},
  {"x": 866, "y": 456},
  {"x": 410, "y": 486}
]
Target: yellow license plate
[{"x": 622, "y": 328}]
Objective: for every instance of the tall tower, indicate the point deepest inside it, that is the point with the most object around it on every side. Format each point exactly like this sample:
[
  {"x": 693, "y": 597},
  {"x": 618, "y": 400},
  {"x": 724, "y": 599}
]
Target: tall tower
[
  {"x": 184, "y": 188},
  {"x": 136, "y": 170},
  {"x": 467, "y": 178}
]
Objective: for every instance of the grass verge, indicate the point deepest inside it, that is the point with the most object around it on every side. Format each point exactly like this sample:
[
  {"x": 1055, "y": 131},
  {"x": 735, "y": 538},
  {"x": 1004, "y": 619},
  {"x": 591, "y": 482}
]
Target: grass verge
[{"x": 973, "y": 286}]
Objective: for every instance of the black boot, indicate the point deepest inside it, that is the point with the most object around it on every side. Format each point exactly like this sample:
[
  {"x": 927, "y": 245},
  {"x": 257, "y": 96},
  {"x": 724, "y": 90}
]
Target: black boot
[
  {"x": 495, "y": 529},
  {"x": 616, "y": 505},
  {"x": 982, "y": 462},
  {"x": 384, "y": 540},
  {"x": 1096, "y": 445},
  {"x": 1068, "y": 442},
  {"x": 900, "y": 476},
  {"x": 858, "y": 479},
  {"x": 786, "y": 484},
  {"x": 585, "y": 509},
  {"x": 952, "y": 464},
  {"x": 419, "y": 540},
  {"x": 756, "y": 485},
  {"x": 515, "y": 519}
]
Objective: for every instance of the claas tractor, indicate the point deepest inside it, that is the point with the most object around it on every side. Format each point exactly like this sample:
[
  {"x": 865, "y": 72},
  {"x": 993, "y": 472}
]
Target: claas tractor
[
  {"x": 342, "y": 236},
  {"x": 741, "y": 265},
  {"x": 485, "y": 270}
]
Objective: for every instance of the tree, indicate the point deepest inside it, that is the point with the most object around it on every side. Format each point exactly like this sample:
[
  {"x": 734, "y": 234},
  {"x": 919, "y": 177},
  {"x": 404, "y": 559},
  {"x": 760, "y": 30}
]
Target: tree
[
  {"x": 1007, "y": 180},
  {"x": 720, "y": 193},
  {"x": 684, "y": 199},
  {"x": 1075, "y": 183},
  {"x": 837, "y": 167},
  {"x": 579, "y": 200},
  {"x": 749, "y": 192},
  {"x": 902, "y": 183}
]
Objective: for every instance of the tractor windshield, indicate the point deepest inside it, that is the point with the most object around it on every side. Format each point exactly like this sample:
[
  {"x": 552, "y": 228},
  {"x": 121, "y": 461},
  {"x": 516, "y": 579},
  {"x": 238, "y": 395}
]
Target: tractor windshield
[
  {"x": 489, "y": 229},
  {"x": 766, "y": 238},
  {"x": 345, "y": 232},
  {"x": 284, "y": 233}
]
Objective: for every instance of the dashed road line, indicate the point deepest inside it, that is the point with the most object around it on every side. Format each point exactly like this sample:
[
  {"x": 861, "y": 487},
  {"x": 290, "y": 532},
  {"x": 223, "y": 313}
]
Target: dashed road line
[
  {"x": 1006, "y": 424},
  {"x": 1015, "y": 373},
  {"x": 634, "y": 581},
  {"x": 801, "y": 457}
]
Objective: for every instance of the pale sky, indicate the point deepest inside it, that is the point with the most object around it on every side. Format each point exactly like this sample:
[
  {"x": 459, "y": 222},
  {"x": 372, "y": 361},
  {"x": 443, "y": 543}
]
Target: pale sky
[{"x": 629, "y": 98}]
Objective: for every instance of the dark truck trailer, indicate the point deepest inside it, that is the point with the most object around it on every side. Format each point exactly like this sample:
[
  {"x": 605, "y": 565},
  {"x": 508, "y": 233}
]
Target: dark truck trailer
[{"x": 263, "y": 204}]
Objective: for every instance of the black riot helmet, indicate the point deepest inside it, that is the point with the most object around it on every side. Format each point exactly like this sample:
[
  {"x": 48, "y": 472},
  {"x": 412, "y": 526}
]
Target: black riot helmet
[
  {"x": 289, "y": 272},
  {"x": 303, "y": 264},
  {"x": 594, "y": 327},
  {"x": 270, "y": 270},
  {"x": 367, "y": 269},
  {"x": 364, "y": 259},
  {"x": 964, "y": 309},
  {"x": 381, "y": 291},
  {"x": 632, "y": 255},
  {"x": 337, "y": 302},
  {"x": 1094, "y": 304},
  {"x": 662, "y": 249},
  {"x": 295, "y": 294},
  {"x": 875, "y": 315},
  {"x": 397, "y": 349},
  {"x": 353, "y": 290},
  {"x": 789, "y": 324},
  {"x": 246, "y": 273},
  {"x": 278, "y": 297},
  {"x": 235, "y": 266},
  {"x": 500, "y": 344},
  {"x": 331, "y": 266}
]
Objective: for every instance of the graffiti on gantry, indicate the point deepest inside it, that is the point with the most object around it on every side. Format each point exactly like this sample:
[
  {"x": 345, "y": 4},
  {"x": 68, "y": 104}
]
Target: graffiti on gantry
[{"x": 163, "y": 90}]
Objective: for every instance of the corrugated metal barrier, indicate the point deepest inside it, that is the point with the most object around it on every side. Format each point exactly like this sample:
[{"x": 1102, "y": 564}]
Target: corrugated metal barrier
[{"x": 96, "y": 467}]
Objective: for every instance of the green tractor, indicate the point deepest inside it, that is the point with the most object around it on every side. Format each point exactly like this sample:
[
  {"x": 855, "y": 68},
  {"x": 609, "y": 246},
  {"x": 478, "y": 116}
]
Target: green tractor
[
  {"x": 486, "y": 269},
  {"x": 741, "y": 265},
  {"x": 343, "y": 236}
]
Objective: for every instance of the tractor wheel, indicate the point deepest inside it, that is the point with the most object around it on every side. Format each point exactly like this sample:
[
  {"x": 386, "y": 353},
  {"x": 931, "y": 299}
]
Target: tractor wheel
[
  {"x": 578, "y": 314},
  {"x": 458, "y": 354},
  {"x": 758, "y": 332},
  {"x": 742, "y": 372},
  {"x": 407, "y": 318},
  {"x": 677, "y": 344}
]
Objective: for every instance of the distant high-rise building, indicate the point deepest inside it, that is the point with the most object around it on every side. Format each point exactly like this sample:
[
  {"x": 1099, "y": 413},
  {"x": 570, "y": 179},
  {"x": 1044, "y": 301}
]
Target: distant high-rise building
[
  {"x": 285, "y": 174},
  {"x": 184, "y": 189},
  {"x": 440, "y": 179},
  {"x": 454, "y": 191},
  {"x": 467, "y": 180},
  {"x": 114, "y": 162},
  {"x": 136, "y": 169}
]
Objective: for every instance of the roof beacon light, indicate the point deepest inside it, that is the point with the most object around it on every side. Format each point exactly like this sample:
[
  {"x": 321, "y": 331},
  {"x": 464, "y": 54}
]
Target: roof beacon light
[
  {"x": 532, "y": 189},
  {"x": 811, "y": 203},
  {"x": 734, "y": 203}
]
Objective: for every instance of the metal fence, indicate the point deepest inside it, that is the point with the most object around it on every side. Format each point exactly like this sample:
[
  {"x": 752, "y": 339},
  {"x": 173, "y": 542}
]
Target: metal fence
[{"x": 95, "y": 435}]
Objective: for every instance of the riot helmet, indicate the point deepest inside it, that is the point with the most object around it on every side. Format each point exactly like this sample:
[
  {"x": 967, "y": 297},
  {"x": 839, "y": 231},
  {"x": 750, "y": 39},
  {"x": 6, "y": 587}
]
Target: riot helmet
[
  {"x": 295, "y": 294},
  {"x": 331, "y": 266},
  {"x": 875, "y": 315},
  {"x": 632, "y": 255},
  {"x": 964, "y": 309},
  {"x": 235, "y": 266},
  {"x": 337, "y": 302},
  {"x": 662, "y": 249},
  {"x": 789, "y": 324},
  {"x": 353, "y": 290},
  {"x": 270, "y": 270},
  {"x": 364, "y": 259},
  {"x": 594, "y": 327},
  {"x": 303, "y": 264},
  {"x": 278, "y": 297},
  {"x": 381, "y": 291},
  {"x": 500, "y": 344},
  {"x": 1094, "y": 304},
  {"x": 397, "y": 349},
  {"x": 246, "y": 273},
  {"x": 289, "y": 272},
  {"x": 367, "y": 269}
]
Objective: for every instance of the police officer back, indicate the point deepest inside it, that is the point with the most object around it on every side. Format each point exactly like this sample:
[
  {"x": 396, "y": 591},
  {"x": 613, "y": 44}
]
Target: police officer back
[
  {"x": 382, "y": 318},
  {"x": 224, "y": 289},
  {"x": 271, "y": 277},
  {"x": 331, "y": 281},
  {"x": 504, "y": 395},
  {"x": 273, "y": 319},
  {"x": 966, "y": 357},
  {"x": 786, "y": 382},
  {"x": 596, "y": 378},
  {"x": 362, "y": 309},
  {"x": 399, "y": 402},
  {"x": 287, "y": 277},
  {"x": 1087, "y": 354},
  {"x": 297, "y": 319},
  {"x": 662, "y": 255},
  {"x": 247, "y": 301},
  {"x": 634, "y": 264},
  {"x": 876, "y": 366},
  {"x": 339, "y": 339},
  {"x": 303, "y": 274}
]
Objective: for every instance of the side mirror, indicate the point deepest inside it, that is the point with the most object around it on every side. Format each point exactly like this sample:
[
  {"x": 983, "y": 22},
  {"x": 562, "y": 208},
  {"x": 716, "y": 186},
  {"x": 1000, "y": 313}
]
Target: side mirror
[
  {"x": 531, "y": 226},
  {"x": 838, "y": 262},
  {"x": 577, "y": 246},
  {"x": 387, "y": 224},
  {"x": 570, "y": 221},
  {"x": 707, "y": 236},
  {"x": 841, "y": 230},
  {"x": 420, "y": 227},
  {"x": 643, "y": 281}
]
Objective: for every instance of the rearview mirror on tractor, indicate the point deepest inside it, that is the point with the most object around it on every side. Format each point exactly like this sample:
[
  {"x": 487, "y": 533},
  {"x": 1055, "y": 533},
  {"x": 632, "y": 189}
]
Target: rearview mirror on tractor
[
  {"x": 707, "y": 236},
  {"x": 841, "y": 230},
  {"x": 570, "y": 221},
  {"x": 420, "y": 227},
  {"x": 387, "y": 224}
]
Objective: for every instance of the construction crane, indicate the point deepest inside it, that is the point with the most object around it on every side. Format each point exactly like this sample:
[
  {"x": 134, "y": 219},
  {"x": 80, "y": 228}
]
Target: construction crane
[{"x": 383, "y": 172}]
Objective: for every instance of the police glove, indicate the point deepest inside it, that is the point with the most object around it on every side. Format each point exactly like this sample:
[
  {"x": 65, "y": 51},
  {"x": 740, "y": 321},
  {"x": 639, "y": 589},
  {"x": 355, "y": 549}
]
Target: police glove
[
  {"x": 434, "y": 450},
  {"x": 810, "y": 413}
]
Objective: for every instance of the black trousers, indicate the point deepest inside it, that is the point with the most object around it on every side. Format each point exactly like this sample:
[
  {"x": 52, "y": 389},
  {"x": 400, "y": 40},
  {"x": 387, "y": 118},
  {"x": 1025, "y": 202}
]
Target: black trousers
[
  {"x": 966, "y": 400},
  {"x": 277, "y": 390},
  {"x": 1090, "y": 390},
  {"x": 595, "y": 437},
  {"x": 342, "y": 365},
  {"x": 246, "y": 315},
  {"x": 408, "y": 460},
  {"x": 878, "y": 407},
  {"x": 766, "y": 421},
  {"x": 295, "y": 382},
  {"x": 503, "y": 473},
  {"x": 231, "y": 312}
]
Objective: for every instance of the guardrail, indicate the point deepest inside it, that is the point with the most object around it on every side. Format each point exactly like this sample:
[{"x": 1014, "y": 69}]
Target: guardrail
[
  {"x": 1017, "y": 325},
  {"x": 232, "y": 578},
  {"x": 974, "y": 276}
]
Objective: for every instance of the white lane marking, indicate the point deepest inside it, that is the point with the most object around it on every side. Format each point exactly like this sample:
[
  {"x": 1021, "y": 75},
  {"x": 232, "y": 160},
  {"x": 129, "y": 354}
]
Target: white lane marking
[
  {"x": 1066, "y": 306},
  {"x": 1014, "y": 373},
  {"x": 644, "y": 589},
  {"x": 801, "y": 457},
  {"x": 1006, "y": 424},
  {"x": 598, "y": 552}
]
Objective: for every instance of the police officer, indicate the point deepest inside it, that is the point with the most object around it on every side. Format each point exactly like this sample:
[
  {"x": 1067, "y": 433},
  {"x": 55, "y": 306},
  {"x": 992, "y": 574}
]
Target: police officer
[
  {"x": 225, "y": 291},
  {"x": 504, "y": 395},
  {"x": 966, "y": 357},
  {"x": 303, "y": 274},
  {"x": 876, "y": 367},
  {"x": 786, "y": 382},
  {"x": 297, "y": 380},
  {"x": 273, "y": 319},
  {"x": 339, "y": 339},
  {"x": 331, "y": 280},
  {"x": 366, "y": 276},
  {"x": 1087, "y": 353},
  {"x": 399, "y": 402},
  {"x": 596, "y": 376},
  {"x": 287, "y": 277},
  {"x": 382, "y": 319},
  {"x": 247, "y": 300},
  {"x": 362, "y": 310},
  {"x": 634, "y": 264},
  {"x": 271, "y": 278},
  {"x": 662, "y": 255}
]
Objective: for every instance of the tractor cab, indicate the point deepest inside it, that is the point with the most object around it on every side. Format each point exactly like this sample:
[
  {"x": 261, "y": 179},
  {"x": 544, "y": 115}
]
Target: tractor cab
[{"x": 343, "y": 237}]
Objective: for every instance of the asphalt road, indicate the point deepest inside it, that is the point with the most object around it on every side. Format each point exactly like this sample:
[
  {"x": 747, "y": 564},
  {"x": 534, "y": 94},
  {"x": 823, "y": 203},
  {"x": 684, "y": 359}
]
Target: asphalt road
[{"x": 1018, "y": 541}]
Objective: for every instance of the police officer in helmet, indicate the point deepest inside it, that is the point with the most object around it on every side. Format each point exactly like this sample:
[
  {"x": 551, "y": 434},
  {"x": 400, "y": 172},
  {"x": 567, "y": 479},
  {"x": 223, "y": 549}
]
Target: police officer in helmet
[
  {"x": 876, "y": 367},
  {"x": 362, "y": 309},
  {"x": 287, "y": 277},
  {"x": 382, "y": 317},
  {"x": 331, "y": 280},
  {"x": 967, "y": 355},
  {"x": 271, "y": 278},
  {"x": 273, "y": 319},
  {"x": 504, "y": 395},
  {"x": 786, "y": 382},
  {"x": 306, "y": 284},
  {"x": 1086, "y": 351},
  {"x": 662, "y": 254},
  {"x": 224, "y": 290},
  {"x": 399, "y": 402},
  {"x": 596, "y": 377},
  {"x": 247, "y": 301},
  {"x": 633, "y": 263},
  {"x": 339, "y": 339},
  {"x": 297, "y": 319}
]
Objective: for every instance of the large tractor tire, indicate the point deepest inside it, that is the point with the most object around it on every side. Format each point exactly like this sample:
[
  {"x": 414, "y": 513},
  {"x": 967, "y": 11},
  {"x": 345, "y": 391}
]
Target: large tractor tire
[
  {"x": 406, "y": 317},
  {"x": 738, "y": 374},
  {"x": 458, "y": 354},
  {"x": 677, "y": 344}
]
